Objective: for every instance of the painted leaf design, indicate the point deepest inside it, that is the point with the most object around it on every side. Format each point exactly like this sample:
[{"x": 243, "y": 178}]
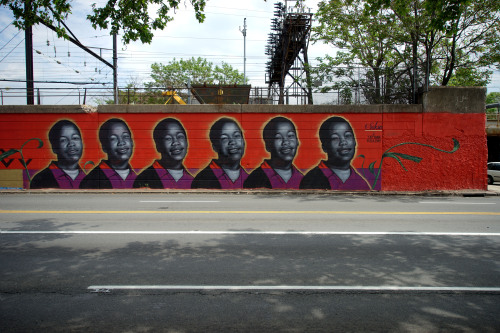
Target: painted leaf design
[
  {"x": 409, "y": 157},
  {"x": 371, "y": 167},
  {"x": 456, "y": 145},
  {"x": 8, "y": 153},
  {"x": 40, "y": 142},
  {"x": 88, "y": 163}
]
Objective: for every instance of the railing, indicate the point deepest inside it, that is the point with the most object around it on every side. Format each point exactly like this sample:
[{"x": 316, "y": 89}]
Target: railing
[
  {"x": 493, "y": 117},
  {"x": 134, "y": 95}
]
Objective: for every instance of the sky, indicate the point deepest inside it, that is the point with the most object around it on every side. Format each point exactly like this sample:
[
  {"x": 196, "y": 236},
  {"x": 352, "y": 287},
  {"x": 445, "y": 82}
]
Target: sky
[{"x": 219, "y": 39}]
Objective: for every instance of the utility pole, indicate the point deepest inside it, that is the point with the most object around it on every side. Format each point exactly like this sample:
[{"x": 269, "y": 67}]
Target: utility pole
[
  {"x": 28, "y": 36},
  {"x": 115, "y": 70},
  {"x": 244, "y": 31}
]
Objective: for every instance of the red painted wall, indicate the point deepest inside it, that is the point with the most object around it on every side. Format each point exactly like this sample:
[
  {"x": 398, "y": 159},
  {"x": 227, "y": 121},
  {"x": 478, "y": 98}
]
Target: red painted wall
[{"x": 450, "y": 148}]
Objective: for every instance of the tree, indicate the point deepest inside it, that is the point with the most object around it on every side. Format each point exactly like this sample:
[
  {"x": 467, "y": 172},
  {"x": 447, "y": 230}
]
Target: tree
[
  {"x": 427, "y": 42},
  {"x": 469, "y": 46},
  {"x": 131, "y": 17},
  {"x": 369, "y": 41},
  {"x": 177, "y": 73},
  {"x": 493, "y": 98}
]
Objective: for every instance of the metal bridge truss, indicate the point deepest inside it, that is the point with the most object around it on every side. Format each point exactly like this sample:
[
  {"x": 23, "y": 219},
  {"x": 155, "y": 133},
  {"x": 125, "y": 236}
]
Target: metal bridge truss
[{"x": 287, "y": 49}]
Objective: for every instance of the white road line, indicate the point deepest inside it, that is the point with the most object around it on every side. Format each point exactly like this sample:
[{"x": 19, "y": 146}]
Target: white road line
[
  {"x": 183, "y": 201},
  {"x": 457, "y": 203},
  {"x": 107, "y": 288},
  {"x": 198, "y": 232}
]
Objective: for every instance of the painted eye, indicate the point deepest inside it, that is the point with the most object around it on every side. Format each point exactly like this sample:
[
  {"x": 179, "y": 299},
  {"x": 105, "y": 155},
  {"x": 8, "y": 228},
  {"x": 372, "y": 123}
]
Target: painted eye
[
  {"x": 181, "y": 136},
  {"x": 168, "y": 138}
]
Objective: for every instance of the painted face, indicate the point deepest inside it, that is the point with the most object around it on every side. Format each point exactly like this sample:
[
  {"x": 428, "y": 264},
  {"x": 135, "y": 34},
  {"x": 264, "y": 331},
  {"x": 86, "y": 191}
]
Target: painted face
[
  {"x": 69, "y": 146},
  {"x": 120, "y": 145},
  {"x": 342, "y": 145},
  {"x": 173, "y": 144},
  {"x": 232, "y": 144},
  {"x": 284, "y": 143}
]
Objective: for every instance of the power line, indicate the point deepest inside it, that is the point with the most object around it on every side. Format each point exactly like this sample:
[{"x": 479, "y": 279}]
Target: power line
[
  {"x": 8, "y": 25},
  {"x": 12, "y": 50},
  {"x": 57, "y": 82},
  {"x": 10, "y": 40}
]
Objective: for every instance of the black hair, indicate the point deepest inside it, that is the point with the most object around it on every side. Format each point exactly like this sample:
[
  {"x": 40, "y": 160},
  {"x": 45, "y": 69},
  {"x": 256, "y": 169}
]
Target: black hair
[
  {"x": 270, "y": 128},
  {"x": 162, "y": 126},
  {"x": 106, "y": 128},
  {"x": 55, "y": 130},
  {"x": 216, "y": 129},
  {"x": 324, "y": 131}
]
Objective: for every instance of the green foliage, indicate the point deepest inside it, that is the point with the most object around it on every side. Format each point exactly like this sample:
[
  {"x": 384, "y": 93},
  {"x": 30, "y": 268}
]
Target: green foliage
[
  {"x": 129, "y": 17},
  {"x": 449, "y": 42},
  {"x": 470, "y": 77},
  {"x": 493, "y": 97},
  {"x": 50, "y": 11},
  {"x": 198, "y": 70}
]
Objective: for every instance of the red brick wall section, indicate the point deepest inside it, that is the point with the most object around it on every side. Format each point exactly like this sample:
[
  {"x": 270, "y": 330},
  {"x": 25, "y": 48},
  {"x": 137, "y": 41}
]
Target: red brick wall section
[{"x": 395, "y": 151}]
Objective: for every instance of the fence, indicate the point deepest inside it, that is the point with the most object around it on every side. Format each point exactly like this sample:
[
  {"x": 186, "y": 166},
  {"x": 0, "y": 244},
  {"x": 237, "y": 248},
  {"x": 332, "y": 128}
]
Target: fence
[{"x": 133, "y": 95}]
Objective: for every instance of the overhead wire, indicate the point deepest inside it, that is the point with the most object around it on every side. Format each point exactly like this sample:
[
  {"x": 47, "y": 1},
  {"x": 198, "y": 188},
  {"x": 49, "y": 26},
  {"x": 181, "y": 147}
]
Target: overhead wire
[
  {"x": 12, "y": 50},
  {"x": 8, "y": 25},
  {"x": 1, "y": 48}
]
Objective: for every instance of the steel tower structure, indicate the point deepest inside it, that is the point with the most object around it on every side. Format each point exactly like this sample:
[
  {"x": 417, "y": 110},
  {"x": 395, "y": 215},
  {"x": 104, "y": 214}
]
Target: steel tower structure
[{"x": 287, "y": 49}]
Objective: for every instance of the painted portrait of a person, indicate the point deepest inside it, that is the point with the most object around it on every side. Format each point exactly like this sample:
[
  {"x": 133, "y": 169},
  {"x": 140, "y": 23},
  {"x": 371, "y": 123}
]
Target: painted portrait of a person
[
  {"x": 115, "y": 171},
  {"x": 336, "y": 172},
  {"x": 65, "y": 173},
  {"x": 171, "y": 142},
  {"x": 277, "y": 172},
  {"x": 224, "y": 172}
]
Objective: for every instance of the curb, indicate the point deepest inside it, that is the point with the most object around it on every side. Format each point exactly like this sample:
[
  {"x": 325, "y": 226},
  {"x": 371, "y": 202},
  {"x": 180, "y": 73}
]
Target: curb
[{"x": 463, "y": 193}]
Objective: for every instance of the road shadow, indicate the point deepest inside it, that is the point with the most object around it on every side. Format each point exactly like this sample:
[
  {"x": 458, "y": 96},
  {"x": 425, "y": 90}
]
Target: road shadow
[{"x": 55, "y": 270}]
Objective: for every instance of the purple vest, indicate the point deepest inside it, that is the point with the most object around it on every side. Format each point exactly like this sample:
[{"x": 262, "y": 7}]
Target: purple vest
[
  {"x": 115, "y": 179},
  {"x": 278, "y": 182},
  {"x": 225, "y": 182},
  {"x": 169, "y": 182},
  {"x": 63, "y": 180},
  {"x": 354, "y": 182}
]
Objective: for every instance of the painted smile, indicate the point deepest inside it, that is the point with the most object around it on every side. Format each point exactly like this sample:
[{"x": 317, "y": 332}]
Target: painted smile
[
  {"x": 345, "y": 151},
  {"x": 122, "y": 150},
  {"x": 176, "y": 151}
]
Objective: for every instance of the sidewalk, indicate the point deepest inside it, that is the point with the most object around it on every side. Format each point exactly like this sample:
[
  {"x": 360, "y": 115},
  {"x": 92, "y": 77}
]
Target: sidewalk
[{"x": 493, "y": 190}]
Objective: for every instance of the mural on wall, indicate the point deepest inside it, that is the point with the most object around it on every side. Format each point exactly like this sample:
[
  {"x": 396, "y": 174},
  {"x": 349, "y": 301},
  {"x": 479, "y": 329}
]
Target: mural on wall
[
  {"x": 398, "y": 156},
  {"x": 228, "y": 151},
  {"x": 5, "y": 154},
  {"x": 115, "y": 171},
  {"x": 66, "y": 142},
  {"x": 336, "y": 173},
  {"x": 277, "y": 172},
  {"x": 171, "y": 141},
  {"x": 224, "y": 172}
]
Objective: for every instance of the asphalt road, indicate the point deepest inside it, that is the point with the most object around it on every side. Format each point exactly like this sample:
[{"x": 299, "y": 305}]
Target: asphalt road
[{"x": 229, "y": 263}]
